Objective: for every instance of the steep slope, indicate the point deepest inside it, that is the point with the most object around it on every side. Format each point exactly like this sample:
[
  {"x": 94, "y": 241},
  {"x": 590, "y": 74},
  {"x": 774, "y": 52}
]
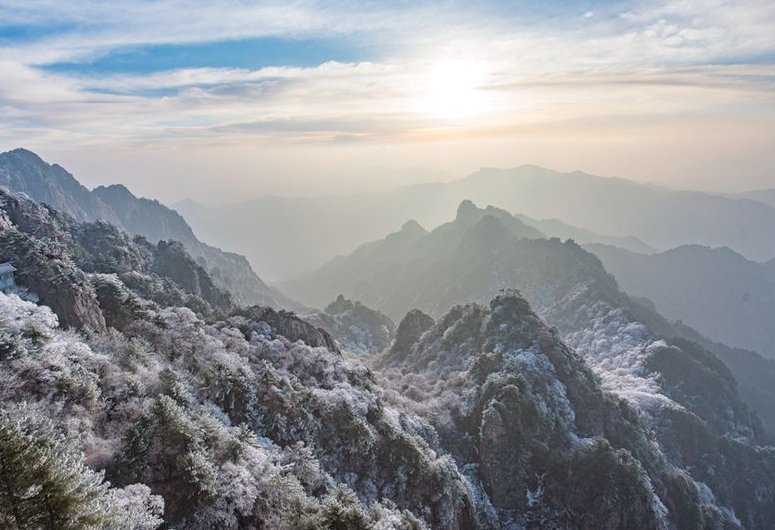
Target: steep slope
[
  {"x": 527, "y": 420},
  {"x": 608, "y": 207},
  {"x": 24, "y": 171},
  {"x": 716, "y": 291},
  {"x": 62, "y": 263},
  {"x": 395, "y": 258}
]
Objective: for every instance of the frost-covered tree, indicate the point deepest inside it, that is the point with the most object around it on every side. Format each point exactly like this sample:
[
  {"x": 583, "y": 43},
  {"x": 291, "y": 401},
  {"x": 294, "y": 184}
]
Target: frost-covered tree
[{"x": 43, "y": 485}]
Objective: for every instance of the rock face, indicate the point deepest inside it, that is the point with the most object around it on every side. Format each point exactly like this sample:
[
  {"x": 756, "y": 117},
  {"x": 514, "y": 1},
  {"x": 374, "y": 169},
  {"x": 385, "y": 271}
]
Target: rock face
[
  {"x": 55, "y": 256},
  {"x": 527, "y": 419},
  {"x": 356, "y": 328},
  {"x": 291, "y": 327},
  {"x": 23, "y": 171}
]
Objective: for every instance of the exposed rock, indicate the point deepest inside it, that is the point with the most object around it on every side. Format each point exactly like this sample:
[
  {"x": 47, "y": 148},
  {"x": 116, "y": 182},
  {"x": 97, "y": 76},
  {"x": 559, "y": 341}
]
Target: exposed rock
[
  {"x": 290, "y": 326},
  {"x": 356, "y": 328},
  {"x": 409, "y": 331}
]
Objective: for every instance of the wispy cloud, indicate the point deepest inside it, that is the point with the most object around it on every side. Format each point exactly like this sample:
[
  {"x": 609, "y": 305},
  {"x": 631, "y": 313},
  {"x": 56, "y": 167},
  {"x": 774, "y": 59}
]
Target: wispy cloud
[{"x": 600, "y": 63}]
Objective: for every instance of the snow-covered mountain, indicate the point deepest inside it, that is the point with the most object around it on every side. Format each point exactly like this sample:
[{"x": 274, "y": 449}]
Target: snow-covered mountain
[
  {"x": 166, "y": 404},
  {"x": 637, "y": 354},
  {"x": 25, "y": 172}
]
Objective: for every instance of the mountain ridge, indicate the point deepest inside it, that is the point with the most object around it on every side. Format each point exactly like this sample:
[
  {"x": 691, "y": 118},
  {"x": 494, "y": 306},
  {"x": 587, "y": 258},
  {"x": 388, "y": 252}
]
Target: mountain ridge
[
  {"x": 606, "y": 210},
  {"x": 23, "y": 171}
]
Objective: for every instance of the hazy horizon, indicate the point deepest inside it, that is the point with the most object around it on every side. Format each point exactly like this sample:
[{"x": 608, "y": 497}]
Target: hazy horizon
[
  {"x": 220, "y": 101},
  {"x": 409, "y": 177}
]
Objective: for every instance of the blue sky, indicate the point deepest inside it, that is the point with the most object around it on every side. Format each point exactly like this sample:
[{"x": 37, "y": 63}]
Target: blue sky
[
  {"x": 320, "y": 94},
  {"x": 247, "y": 53}
]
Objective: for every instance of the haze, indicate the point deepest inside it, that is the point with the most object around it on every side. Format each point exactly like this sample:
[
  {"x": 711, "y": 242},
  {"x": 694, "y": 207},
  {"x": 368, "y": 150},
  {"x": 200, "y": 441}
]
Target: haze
[{"x": 225, "y": 101}]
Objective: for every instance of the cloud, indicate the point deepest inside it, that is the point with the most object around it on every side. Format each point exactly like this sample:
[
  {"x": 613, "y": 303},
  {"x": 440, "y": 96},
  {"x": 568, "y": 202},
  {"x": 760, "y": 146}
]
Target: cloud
[{"x": 620, "y": 62}]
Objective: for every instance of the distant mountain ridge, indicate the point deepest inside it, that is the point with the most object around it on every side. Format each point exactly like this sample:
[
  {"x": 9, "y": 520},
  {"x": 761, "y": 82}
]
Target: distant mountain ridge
[
  {"x": 764, "y": 196},
  {"x": 24, "y": 171},
  {"x": 591, "y": 209},
  {"x": 715, "y": 290}
]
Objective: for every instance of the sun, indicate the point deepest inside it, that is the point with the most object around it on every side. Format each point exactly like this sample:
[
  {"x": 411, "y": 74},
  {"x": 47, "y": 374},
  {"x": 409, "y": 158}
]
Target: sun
[{"x": 453, "y": 90}]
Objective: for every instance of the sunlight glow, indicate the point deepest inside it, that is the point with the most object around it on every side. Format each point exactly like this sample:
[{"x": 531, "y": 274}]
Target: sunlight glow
[{"x": 453, "y": 90}]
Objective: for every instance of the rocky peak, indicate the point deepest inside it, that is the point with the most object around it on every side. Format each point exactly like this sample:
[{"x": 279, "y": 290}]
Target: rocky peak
[
  {"x": 413, "y": 227},
  {"x": 339, "y": 306},
  {"x": 535, "y": 428},
  {"x": 409, "y": 331},
  {"x": 114, "y": 192},
  {"x": 290, "y": 326},
  {"x": 466, "y": 210}
]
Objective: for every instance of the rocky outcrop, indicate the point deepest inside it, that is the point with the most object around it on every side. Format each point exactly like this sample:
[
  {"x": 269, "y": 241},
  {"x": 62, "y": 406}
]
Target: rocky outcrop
[
  {"x": 357, "y": 329},
  {"x": 290, "y": 326},
  {"x": 549, "y": 448},
  {"x": 409, "y": 331}
]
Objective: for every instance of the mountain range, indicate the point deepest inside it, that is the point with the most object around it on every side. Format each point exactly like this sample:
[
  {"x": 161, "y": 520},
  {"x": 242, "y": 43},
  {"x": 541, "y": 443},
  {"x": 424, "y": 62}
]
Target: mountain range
[
  {"x": 25, "y": 172},
  {"x": 217, "y": 415},
  {"x": 483, "y": 251},
  {"x": 521, "y": 387},
  {"x": 307, "y": 232}
]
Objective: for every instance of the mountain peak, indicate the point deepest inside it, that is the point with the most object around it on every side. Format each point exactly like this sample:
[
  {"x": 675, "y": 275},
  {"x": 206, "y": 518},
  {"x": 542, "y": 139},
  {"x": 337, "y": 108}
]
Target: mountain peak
[
  {"x": 466, "y": 209},
  {"x": 22, "y": 151},
  {"x": 25, "y": 155},
  {"x": 118, "y": 191},
  {"x": 413, "y": 226}
]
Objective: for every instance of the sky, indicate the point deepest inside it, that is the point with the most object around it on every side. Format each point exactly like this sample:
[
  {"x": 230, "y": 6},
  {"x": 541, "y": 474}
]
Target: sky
[{"x": 222, "y": 101}]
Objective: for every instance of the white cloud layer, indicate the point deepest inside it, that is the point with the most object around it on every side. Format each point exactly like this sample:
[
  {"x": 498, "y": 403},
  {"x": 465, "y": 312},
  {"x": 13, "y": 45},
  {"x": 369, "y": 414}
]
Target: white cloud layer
[{"x": 663, "y": 66}]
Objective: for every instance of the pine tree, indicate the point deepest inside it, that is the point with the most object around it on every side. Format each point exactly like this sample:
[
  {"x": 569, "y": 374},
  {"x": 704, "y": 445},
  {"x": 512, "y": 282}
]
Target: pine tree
[{"x": 43, "y": 486}]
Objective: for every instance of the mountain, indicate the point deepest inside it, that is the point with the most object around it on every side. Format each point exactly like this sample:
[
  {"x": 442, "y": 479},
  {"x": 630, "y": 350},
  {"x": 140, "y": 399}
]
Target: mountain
[
  {"x": 190, "y": 412},
  {"x": 527, "y": 421},
  {"x": 308, "y": 232},
  {"x": 766, "y": 196},
  {"x": 24, "y": 171},
  {"x": 638, "y": 355},
  {"x": 73, "y": 267},
  {"x": 356, "y": 328},
  {"x": 716, "y": 291}
]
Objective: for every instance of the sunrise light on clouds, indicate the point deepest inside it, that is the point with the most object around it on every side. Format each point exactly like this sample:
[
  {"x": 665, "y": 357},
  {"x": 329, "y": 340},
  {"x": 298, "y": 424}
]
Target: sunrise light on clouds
[{"x": 390, "y": 86}]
